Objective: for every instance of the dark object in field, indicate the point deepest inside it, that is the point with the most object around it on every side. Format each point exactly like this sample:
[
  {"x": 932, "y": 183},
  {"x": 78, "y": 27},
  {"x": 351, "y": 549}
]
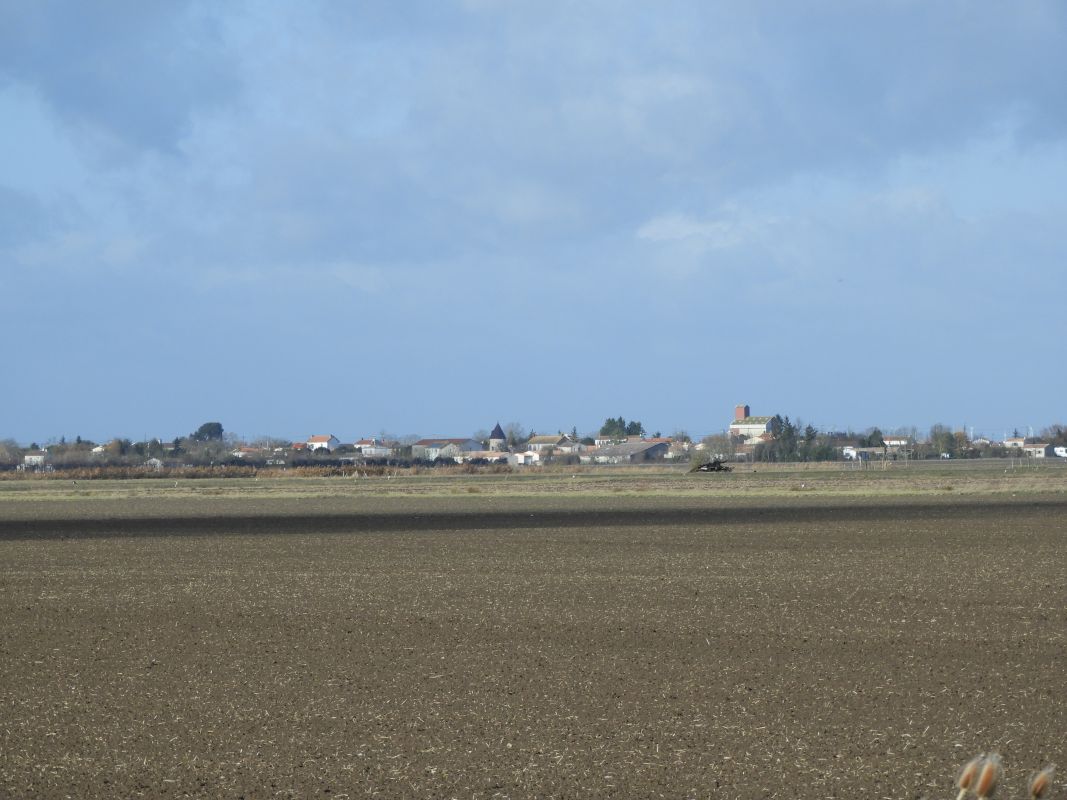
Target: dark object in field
[{"x": 715, "y": 465}]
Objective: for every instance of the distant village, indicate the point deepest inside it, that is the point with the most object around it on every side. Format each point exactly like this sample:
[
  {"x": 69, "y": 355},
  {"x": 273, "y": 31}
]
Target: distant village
[{"x": 744, "y": 438}]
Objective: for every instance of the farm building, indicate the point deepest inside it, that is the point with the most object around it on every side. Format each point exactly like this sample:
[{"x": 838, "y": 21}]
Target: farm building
[
  {"x": 524, "y": 459},
  {"x": 429, "y": 449},
  {"x": 1038, "y": 449},
  {"x": 627, "y": 453},
  {"x": 373, "y": 448},
  {"x": 747, "y": 426}
]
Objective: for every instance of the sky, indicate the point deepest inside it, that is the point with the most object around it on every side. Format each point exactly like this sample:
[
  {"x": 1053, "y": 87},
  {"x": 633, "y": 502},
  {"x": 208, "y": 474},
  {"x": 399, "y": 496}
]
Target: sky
[{"x": 426, "y": 217}]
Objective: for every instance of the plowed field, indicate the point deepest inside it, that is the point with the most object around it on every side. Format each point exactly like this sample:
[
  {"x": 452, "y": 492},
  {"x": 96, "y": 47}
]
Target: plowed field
[{"x": 800, "y": 648}]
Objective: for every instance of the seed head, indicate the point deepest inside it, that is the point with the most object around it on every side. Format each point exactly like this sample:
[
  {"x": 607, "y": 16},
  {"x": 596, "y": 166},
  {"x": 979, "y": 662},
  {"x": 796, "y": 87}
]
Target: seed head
[
  {"x": 988, "y": 776},
  {"x": 1042, "y": 782},
  {"x": 965, "y": 780}
]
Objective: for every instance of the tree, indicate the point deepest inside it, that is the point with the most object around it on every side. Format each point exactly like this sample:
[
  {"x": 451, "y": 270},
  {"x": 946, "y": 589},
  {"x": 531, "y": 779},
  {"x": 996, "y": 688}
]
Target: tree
[
  {"x": 515, "y": 434},
  {"x": 618, "y": 428},
  {"x": 10, "y": 453},
  {"x": 717, "y": 445},
  {"x": 784, "y": 444},
  {"x": 873, "y": 439},
  {"x": 208, "y": 432},
  {"x": 1055, "y": 435},
  {"x": 614, "y": 428},
  {"x": 942, "y": 440}
]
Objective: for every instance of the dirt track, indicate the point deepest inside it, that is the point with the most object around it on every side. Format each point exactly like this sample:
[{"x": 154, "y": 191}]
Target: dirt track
[{"x": 789, "y": 650}]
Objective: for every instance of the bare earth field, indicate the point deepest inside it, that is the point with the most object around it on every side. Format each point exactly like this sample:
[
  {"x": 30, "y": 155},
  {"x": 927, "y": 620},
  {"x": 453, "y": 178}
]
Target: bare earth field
[{"x": 634, "y": 636}]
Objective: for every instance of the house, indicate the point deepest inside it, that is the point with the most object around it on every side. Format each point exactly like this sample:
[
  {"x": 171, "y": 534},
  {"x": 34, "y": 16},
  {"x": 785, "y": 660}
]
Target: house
[
  {"x": 747, "y": 426},
  {"x": 679, "y": 449},
  {"x": 247, "y": 452},
  {"x": 554, "y": 441},
  {"x": 373, "y": 448},
  {"x": 628, "y": 453},
  {"x": 1015, "y": 441},
  {"x": 601, "y": 440},
  {"x": 429, "y": 449},
  {"x": 35, "y": 459},
  {"x": 1038, "y": 450},
  {"x": 325, "y": 442}
]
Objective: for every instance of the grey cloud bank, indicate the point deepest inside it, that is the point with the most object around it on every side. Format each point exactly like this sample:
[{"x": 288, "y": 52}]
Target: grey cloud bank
[{"x": 429, "y": 216}]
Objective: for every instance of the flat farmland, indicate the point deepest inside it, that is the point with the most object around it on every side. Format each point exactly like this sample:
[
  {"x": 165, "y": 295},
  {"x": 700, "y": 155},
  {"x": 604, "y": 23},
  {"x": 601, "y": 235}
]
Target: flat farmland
[{"x": 254, "y": 641}]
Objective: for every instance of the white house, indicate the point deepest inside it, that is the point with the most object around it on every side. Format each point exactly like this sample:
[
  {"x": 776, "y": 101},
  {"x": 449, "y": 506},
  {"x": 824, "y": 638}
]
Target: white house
[
  {"x": 325, "y": 442},
  {"x": 1038, "y": 450},
  {"x": 1015, "y": 441}
]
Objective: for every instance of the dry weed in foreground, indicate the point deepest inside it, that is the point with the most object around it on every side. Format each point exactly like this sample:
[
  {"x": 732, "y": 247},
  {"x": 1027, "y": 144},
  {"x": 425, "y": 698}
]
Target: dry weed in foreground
[{"x": 982, "y": 774}]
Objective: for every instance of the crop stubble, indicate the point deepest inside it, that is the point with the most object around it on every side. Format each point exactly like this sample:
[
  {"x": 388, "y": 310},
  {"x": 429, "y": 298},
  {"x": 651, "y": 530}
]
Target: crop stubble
[{"x": 798, "y": 649}]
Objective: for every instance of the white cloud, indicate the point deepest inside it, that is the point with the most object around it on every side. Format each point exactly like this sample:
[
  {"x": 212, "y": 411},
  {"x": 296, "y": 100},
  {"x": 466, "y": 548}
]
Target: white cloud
[{"x": 675, "y": 227}]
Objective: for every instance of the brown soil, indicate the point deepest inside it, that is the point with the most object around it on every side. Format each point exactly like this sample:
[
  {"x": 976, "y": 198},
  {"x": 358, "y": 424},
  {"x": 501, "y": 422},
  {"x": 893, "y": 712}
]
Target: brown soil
[{"x": 583, "y": 649}]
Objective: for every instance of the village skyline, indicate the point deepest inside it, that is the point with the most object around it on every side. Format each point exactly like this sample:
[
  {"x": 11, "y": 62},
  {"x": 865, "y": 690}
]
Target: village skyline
[
  {"x": 739, "y": 438},
  {"x": 356, "y": 432}
]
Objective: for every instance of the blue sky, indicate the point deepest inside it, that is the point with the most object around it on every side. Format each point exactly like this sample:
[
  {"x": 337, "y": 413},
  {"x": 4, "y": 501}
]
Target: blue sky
[{"x": 424, "y": 217}]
